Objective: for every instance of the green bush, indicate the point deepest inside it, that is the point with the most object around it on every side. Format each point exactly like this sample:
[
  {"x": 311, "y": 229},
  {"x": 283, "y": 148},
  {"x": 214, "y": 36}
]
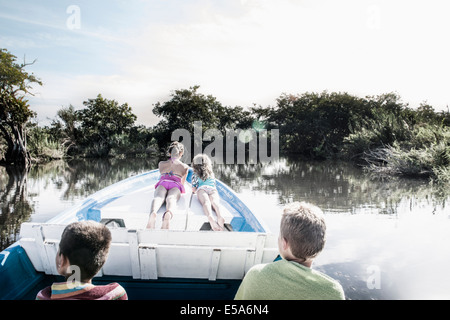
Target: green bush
[
  {"x": 430, "y": 158},
  {"x": 41, "y": 145},
  {"x": 383, "y": 130},
  {"x": 442, "y": 175}
]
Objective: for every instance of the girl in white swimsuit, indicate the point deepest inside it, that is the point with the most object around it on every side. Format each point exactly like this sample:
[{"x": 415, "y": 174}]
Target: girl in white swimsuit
[{"x": 204, "y": 184}]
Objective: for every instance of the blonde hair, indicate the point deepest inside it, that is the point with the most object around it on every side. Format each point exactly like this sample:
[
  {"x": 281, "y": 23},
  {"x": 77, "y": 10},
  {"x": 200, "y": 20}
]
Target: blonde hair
[
  {"x": 202, "y": 166},
  {"x": 175, "y": 149},
  {"x": 303, "y": 227}
]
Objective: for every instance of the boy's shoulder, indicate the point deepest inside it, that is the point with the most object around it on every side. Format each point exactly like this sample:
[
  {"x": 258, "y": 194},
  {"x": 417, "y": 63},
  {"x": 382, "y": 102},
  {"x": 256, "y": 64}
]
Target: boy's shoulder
[
  {"x": 111, "y": 291},
  {"x": 285, "y": 279},
  {"x": 44, "y": 294},
  {"x": 116, "y": 292},
  {"x": 293, "y": 271},
  {"x": 270, "y": 268}
]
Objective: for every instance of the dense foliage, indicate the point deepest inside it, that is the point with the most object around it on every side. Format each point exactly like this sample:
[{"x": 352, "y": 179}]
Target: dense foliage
[
  {"x": 381, "y": 132},
  {"x": 103, "y": 128}
]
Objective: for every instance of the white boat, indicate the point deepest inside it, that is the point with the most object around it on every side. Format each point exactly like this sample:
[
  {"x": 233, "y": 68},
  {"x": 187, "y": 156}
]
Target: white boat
[{"x": 188, "y": 261}]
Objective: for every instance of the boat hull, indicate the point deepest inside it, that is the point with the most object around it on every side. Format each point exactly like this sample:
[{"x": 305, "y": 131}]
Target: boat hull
[
  {"x": 181, "y": 263},
  {"x": 20, "y": 281}
]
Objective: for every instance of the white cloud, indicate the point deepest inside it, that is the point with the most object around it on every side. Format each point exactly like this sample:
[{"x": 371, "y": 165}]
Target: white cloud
[
  {"x": 255, "y": 53},
  {"x": 237, "y": 57}
]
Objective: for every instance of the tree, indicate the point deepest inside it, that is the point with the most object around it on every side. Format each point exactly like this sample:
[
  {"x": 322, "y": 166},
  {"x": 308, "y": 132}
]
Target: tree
[
  {"x": 188, "y": 105},
  {"x": 15, "y": 84},
  {"x": 314, "y": 124},
  {"x": 102, "y": 122},
  {"x": 425, "y": 113}
]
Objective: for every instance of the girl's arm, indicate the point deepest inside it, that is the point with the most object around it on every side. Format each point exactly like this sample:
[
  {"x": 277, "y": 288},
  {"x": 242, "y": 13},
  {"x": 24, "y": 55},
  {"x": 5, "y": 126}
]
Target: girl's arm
[
  {"x": 183, "y": 178},
  {"x": 194, "y": 182}
]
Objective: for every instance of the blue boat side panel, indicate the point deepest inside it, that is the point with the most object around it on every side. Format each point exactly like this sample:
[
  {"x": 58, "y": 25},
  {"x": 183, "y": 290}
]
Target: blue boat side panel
[
  {"x": 17, "y": 273},
  {"x": 247, "y": 221},
  {"x": 92, "y": 211},
  {"x": 189, "y": 176},
  {"x": 238, "y": 223}
]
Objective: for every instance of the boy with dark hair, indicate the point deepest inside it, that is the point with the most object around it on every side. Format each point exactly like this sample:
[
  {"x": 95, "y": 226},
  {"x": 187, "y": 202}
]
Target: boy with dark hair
[
  {"x": 302, "y": 238},
  {"x": 83, "y": 248}
]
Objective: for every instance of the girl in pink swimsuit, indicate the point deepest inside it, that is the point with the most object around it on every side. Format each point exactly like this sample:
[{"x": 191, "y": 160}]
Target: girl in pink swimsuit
[
  {"x": 170, "y": 180},
  {"x": 170, "y": 185}
]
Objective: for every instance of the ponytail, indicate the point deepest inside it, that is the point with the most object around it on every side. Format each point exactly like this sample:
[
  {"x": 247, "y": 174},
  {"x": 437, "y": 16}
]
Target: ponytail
[{"x": 175, "y": 149}]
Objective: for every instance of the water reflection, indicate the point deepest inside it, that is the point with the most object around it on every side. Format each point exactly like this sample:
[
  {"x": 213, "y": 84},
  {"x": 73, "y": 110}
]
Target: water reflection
[
  {"x": 335, "y": 186},
  {"x": 372, "y": 224},
  {"x": 386, "y": 238},
  {"x": 15, "y": 206}
]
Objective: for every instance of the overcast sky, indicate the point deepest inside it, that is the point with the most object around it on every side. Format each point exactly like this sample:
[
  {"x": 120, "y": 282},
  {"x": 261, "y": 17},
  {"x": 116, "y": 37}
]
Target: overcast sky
[{"x": 243, "y": 52}]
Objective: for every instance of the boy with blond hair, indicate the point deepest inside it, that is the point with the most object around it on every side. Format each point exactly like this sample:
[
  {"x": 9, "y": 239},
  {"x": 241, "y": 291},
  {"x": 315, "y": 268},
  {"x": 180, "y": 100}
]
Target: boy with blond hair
[{"x": 301, "y": 239}]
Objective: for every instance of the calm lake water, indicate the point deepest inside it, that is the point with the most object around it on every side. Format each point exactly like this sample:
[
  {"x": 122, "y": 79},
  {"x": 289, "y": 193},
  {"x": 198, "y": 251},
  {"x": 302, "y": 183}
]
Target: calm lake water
[{"x": 386, "y": 239}]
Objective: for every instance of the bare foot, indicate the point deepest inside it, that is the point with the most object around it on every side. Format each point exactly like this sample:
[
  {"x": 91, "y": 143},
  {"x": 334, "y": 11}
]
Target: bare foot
[
  {"x": 166, "y": 219},
  {"x": 214, "y": 224},
  {"x": 221, "y": 222},
  {"x": 151, "y": 221}
]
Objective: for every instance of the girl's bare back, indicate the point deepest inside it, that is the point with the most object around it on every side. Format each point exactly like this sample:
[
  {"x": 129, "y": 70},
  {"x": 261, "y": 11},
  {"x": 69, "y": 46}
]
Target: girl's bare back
[{"x": 175, "y": 166}]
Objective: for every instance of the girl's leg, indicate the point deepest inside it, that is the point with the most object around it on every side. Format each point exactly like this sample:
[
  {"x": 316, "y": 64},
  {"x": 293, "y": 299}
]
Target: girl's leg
[
  {"x": 173, "y": 195},
  {"x": 215, "y": 203},
  {"x": 158, "y": 200},
  {"x": 203, "y": 197}
]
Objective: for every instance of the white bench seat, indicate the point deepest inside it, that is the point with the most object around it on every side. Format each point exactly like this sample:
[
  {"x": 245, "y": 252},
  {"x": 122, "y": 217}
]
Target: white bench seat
[{"x": 153, "y": 254}]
